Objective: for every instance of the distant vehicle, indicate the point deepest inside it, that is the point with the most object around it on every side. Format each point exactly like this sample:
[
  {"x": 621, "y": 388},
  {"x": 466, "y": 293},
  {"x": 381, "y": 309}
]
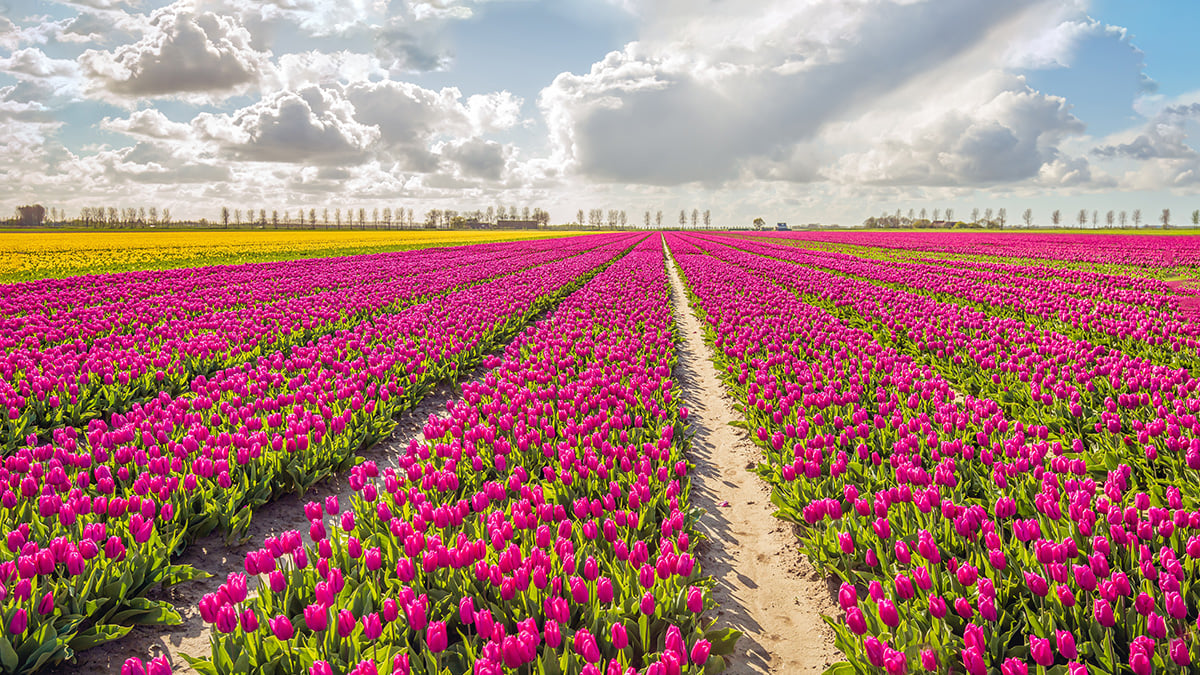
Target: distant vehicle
[{"x": 781, "y": 227}]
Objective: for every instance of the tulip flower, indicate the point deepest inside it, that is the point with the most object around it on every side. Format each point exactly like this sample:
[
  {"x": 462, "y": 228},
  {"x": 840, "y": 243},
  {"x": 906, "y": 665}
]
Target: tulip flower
[{"x": 435, "y": 637}]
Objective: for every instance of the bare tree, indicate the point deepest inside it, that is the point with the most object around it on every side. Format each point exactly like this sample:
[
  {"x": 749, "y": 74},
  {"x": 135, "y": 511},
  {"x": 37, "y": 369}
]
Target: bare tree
[
  {"x": 695, "y": 217},
  {"x": 1056, "y": 217},
  {"x": 1137, "y": 218},
  {"x": 1165, "y": 218},
  {"x": 1196, "y": 217},
  {"x": 623, "y": 219},
  {"x": 166, "y": 216},
  {"x": 1095, "y": 218},
  {"x": 1002, "y": 216},
  {"x": 937, "y": 214},
  {"x": 682, "y": 218},
  {"x": 708, "y": 219},
  {"x": 646, "y": 220},
  {"x": 924, "y": 214},
  {"x": 578, "y": 216},
  {"x": 1110, "y": 218},
  {"x": 950, "y": 215},
  {"x": 32, "y": 215},
  {"x": 613, "y": 215},
  {"x": 362, "y": 218},
  {"x": 975, "y": 215},
  {"x": 1122, "y": 217},
  {"x": 1027, "y": 216},
  {"x": 1082, "y": 217},
  {"x": 225, "y": 217},
  {"x": 658, "y": 216},
  {"x": 312, "y": 218},
  {"x": 275, "y": 219}
]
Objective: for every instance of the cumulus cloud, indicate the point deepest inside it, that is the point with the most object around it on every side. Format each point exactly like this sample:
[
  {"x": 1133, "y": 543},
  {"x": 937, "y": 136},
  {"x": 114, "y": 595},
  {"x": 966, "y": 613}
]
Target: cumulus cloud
[
  {"x": 702, "y": 106},
  {"x": 1165, "y": 137},
  {"x": 477, "y": 158},
  {"x": 1004, "y": 138},
  {"x": 313, "y": 125},
  {"x": 183, "y": 52},
  {"x": 148, "y": 123}
]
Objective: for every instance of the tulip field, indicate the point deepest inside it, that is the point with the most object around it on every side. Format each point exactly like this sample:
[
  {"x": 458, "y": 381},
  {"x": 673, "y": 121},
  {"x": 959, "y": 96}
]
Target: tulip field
[{"x": 990, "y": 441}]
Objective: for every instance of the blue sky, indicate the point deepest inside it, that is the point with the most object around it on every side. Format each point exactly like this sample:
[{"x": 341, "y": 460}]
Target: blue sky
[{"x": 793, "y": 110}]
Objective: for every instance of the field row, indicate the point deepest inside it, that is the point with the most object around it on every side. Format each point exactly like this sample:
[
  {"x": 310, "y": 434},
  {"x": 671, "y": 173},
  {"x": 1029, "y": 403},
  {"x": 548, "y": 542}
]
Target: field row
[{"x": 994, "y": 494}]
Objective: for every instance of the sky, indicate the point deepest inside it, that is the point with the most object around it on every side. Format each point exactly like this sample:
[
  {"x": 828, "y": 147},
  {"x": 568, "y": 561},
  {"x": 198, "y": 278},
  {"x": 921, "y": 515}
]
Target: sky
[{"x": 799, "y": 111}]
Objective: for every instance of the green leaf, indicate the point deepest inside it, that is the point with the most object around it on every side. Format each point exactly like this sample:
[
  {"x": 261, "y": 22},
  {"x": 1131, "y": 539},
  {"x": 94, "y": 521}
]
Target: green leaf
[
  {"x": 840, "y": 668},
  {"x": 8, "y": 656},
  {"x": 97, "y": 635},
  {"x": 200, "y": 665},
  {"x": 723, "y": 640}
]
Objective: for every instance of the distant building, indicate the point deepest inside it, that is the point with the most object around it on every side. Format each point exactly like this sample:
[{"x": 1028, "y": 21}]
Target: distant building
[
  {"x": 781, "y": 227},
  {"x": 507, "y": 224}
]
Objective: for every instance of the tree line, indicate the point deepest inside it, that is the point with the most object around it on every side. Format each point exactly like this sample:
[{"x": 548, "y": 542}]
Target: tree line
[{"x": 998, "y": 219}]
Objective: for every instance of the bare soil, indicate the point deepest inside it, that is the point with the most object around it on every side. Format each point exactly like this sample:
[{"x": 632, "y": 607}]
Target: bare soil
[{"x": 765, "y": 587}]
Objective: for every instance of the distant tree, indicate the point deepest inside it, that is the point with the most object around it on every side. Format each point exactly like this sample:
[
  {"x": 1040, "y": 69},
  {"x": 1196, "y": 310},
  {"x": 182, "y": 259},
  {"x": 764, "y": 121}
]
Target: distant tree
[
  {"x": 1137, "y": 218},
  {"x": 937, "y": 214},
  {"x": 1165, "y": 218},
  {"x": 623, "y": 219},
  {"x": 1056, "y": 217},
  {"x": 32, "y": 215},
  {"x": 275, "y": 218},
  {"x": 924, "y": 214},
  {"x": 262, "y": 217},
  {"x": 387, "y": 217},
  {"x": 912, "y": 215},
  {"x": 1196, "y": 217},
  {"x": 708, "y": 219},
  {"x": 1027, "y": 216},
  {"x": 1095, "y": 218},
  {"x": 950, "y": 214},
  {"x": 987, "y": 214},
  {"x": 525, "y": 214},
  {"x": 312, "y": 218},
  {"x": 1110, "y": 218},
  {"x": 646, "y": 220},
  {"x": 682, "y": 218},
  {"x": 975, "y": 215},
  {"x": 153, "y": 215},
  {"x": 225, "y": 217},
  {"x": 166, "y": 216},
  {"x": 1082, "y": 217},
  {"x": 362, "y": 218},
  {"x": 759, "y": 223},
  {"x": 375, "y": 218},
  {"x": 596, "y": 218},
  {"x": 613, "y": 216},
  {"x": 578, "y": 216},
  {"x": 337, "y": 216},
  {"x": 1122, "y": 218},
  {"x": 658, "y": 216},
  {"x": 695, "y": 218}
]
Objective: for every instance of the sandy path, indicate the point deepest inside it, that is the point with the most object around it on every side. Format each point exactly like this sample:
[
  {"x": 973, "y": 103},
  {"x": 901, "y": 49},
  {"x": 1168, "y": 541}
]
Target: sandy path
[{"x": 765, "y": 587}]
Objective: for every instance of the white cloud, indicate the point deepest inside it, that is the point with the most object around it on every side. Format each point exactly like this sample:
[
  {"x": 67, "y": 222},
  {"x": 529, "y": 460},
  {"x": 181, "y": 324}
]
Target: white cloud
[
  {"x": 185, "y": 52},
  {"x": 313, "y": 125},
  {"x": 148, "y": 123},
  {"x": 714, "y": 93}
]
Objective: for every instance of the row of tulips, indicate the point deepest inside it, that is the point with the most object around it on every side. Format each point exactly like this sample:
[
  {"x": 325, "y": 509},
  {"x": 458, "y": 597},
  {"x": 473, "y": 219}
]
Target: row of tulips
[
  {"x": 1147, "y": 321},
  {"x": 542, "y": 525},
  {"x": 79, "y": 354},
  {"x": 92, "y": 518},
  {"x": 968, "y": 540},
  {"x": 1146, "y": 251}
]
